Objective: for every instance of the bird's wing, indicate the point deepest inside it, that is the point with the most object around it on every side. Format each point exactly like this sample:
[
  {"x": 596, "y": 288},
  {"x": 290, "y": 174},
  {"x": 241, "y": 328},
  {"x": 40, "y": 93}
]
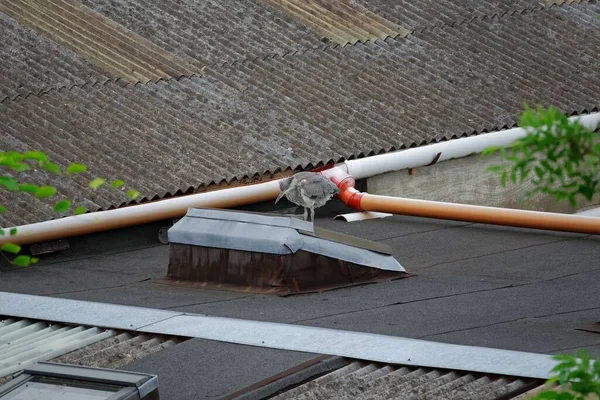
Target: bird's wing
[{"x": 316, "y": 187}]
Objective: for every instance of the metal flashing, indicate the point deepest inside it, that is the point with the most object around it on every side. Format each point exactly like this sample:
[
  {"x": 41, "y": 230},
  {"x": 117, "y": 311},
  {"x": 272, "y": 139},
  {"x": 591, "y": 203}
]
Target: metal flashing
[
  {"x": 358, "y": 345},
  {"x": 276, "y": 235}
]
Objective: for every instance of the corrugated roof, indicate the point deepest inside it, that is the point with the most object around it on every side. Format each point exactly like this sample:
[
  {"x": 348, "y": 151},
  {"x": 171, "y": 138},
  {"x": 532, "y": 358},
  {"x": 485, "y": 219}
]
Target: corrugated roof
[
  {"x": 428, "y": 13},
  {"x": 311, "y": 107},
  {"x": 212, "y": 31},
  {"x": 108, "y": 45},
  {"x": 24, "y": 342},
  {"x": 31, "y": 63},
  {"x": 364, "y": 380},
  {"x": 118, "y": 351},
  {"x": 340, "y": 21}
]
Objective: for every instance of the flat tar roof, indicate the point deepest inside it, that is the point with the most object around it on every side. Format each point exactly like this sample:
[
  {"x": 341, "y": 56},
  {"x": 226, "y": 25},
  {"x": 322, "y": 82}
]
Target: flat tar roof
[{"x": 474, "y": 284}]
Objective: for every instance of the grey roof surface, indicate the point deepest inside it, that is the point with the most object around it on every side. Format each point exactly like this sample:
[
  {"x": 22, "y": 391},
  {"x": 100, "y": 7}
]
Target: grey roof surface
[
  {"x": 504, "y": 288},
  {"x": 32, "y": 63},
  {"x": 311, "y": 107}
]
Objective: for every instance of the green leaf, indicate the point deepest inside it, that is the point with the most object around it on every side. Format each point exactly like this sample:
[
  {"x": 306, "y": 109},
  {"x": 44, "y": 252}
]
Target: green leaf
[
  {"x": 503, "y": 178},
  {"x": 13, "y": 231},
  {"x": 35, "y": 155},
  {"x": 34, "y": 260},
  {"x": 117, "y": 183},
  {"x": 80, "y": 210},
  {"x": 9, "y": 183},
  {"x": 495, "y": 168},
  {"x": 547, "y": 395},
  {"x": 22, "y": 261},
  {"x": 539, "y": 172},
  {"x": 76, "y": 168},
  {"x": 132, "y": 194},
  {"x": 62, "y": 206},
  {"x": 10, "y": 248},
  {"x": 51, "y": 167},
  {"x": 28, "y": 187},
  {"x": 96, "y": 183},
  {"x": 2, "y": 209},
  {"x": 45, "y": 191},
  {"x": 489, "y": 150}
]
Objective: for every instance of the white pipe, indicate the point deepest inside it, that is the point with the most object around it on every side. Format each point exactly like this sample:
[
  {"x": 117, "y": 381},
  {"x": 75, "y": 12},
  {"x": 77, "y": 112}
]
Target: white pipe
[
  {"x": 226, "y": 198},
  {"x": 139, "y": 214},
  {"x": 423, "y": 155}
]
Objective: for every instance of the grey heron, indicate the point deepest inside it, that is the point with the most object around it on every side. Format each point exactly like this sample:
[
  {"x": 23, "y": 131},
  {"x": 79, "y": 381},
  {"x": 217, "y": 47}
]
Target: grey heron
[{"x": 307, "y": 189}]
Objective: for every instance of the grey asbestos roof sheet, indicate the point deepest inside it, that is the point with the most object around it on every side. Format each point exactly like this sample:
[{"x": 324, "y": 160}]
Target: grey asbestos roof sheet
[
  {"x": 312, "y": 106},
  {"x": 363, "y": 380},
  {"x": 211, "y": 31},
  {"x": 32, "y": 63}
]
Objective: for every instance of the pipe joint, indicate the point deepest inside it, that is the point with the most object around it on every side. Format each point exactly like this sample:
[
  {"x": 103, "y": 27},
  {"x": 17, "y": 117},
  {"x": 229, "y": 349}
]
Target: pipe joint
[{"x": 345, "y": 183}]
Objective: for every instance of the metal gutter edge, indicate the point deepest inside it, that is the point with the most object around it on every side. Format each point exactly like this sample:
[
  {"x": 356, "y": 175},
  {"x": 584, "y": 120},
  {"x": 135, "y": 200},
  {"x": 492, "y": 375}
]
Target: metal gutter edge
[{"x": 357, "y": 345}]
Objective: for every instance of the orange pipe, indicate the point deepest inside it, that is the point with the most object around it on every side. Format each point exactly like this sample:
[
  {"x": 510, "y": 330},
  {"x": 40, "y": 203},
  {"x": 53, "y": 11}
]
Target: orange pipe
[
  {"x": 458, "y": 212},
  {"x": 480, "y": 214}
]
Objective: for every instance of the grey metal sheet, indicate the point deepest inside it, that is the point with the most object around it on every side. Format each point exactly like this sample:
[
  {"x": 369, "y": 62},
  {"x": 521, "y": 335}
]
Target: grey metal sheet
[
  {"x": 80, "y": 312},
  {"x": 24, "y": 342},
  {"x": 267, "y": 234},
  {"x": 380, "y": 348}
]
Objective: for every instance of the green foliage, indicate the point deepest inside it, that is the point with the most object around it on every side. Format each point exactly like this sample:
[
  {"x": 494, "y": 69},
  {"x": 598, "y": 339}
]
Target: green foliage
[
  {"x": 16, "y": 162},
  {"x": 62, "y": 206},
  {"x": 76, "y": 168},
  {"x": 80, "y": 210},
  {"x": 562, "y": 157},
  {"x": 581, "y": 373},
  {"x": 44, "y": 191},
  {"x": 96, "y": 183},
  {"x": 10, "y": 248}
]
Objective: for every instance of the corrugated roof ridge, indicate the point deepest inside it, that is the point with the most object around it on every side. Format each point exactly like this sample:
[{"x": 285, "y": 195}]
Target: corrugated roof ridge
[{"x": 303, "y": 51}]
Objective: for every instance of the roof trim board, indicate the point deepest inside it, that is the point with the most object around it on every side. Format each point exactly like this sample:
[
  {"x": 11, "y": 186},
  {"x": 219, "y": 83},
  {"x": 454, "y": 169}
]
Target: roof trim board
[{"x": 359, "y": 345}]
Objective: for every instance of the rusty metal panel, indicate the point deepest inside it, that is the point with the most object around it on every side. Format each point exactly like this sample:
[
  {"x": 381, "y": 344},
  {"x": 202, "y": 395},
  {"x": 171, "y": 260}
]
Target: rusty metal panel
[
  {"x": 282, "y": 274},
  {"x": 24, "y": 342}
]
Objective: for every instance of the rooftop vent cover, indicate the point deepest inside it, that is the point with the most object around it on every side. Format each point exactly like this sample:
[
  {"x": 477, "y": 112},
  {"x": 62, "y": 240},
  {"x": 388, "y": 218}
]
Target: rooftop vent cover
[{"x": 264, "y": 253}]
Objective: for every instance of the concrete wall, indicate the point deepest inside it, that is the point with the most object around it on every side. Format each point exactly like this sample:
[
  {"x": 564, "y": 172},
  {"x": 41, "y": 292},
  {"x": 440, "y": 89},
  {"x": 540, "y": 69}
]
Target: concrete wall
[{"x": 465, "y": 180}]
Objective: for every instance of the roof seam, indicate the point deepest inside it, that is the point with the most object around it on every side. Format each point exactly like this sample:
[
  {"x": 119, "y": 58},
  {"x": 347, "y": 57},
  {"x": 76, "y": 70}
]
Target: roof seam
[{"x": 291, "y": 53}]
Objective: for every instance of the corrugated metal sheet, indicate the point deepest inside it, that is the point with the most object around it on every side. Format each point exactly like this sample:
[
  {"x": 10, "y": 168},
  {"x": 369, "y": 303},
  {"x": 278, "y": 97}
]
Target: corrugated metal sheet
[
  {"x": 23, "y": 342},
  {"x": 114, "y": 49},
  {"x": 340, "y": 21},
  {"x": 363, "y": 380},
  {"x": 118, "y": 351},
  {"x": 265, "y": 115},
  {"x": 31, "y": 63}
]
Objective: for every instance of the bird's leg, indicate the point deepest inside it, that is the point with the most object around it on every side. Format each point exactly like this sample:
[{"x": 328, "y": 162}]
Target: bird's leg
[
  {"x": 312, "y": 214},
  {"x": 305, "y": 213}
]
